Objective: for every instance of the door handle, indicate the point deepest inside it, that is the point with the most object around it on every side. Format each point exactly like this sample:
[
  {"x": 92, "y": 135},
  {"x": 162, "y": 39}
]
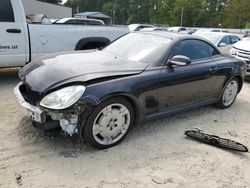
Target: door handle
[
  {"x": 13, "y": 30},
  {"x": 213, "y": 69}
]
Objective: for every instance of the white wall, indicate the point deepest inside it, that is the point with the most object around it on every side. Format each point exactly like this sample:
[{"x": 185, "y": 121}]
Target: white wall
[{"x": 50, "y": 10}]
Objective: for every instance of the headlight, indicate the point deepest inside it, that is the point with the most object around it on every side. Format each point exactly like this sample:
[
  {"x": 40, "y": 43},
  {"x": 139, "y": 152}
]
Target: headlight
[{"x": 63, "y": 98}]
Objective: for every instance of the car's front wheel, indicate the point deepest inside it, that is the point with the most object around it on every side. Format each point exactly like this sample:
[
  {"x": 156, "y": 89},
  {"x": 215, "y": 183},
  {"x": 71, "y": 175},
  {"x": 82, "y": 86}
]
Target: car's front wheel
[
  {"x": 109, "y": 123},
  {"x": 230, "y": 93}
]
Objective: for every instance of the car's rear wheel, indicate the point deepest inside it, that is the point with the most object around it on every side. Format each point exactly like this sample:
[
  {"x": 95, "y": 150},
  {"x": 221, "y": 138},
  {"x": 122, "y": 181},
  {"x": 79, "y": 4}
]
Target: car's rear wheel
[
  {"x": 230, "y": 93},
  {"x": 109, "y": 123}
]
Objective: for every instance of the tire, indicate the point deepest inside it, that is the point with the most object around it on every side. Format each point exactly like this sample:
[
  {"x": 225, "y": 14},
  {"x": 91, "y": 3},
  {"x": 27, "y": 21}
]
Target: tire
[
  {"x": 229, "y": 94},
  {"x": 109, "y": 123}
]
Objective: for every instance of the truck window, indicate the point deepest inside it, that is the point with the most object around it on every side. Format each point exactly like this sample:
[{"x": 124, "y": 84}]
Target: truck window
[
  {"x": 81, "y": 22},
  {"x": 71, "y": 21},
  {"x": 6, "y": 11}
]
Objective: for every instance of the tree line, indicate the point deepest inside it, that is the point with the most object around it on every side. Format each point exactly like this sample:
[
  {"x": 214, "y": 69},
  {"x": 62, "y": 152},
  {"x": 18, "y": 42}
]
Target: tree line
[{"x": 194, "y": 13}]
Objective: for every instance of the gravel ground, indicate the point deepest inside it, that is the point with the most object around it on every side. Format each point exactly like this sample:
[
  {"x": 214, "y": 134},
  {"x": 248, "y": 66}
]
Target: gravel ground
[{"x": 155, "y": 154}]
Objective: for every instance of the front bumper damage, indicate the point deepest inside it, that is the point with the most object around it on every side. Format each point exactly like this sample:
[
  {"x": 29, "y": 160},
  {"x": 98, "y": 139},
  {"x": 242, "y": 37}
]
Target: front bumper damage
[
  {"x": 68, "y": 120},
  {"x": 33, "y": 112},
  {"x": 247, "y": 61},
  {"x": 248, "y": 69}
]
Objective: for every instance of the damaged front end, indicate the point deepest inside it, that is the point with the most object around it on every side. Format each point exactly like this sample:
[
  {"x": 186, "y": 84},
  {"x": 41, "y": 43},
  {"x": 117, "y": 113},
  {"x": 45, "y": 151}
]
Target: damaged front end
[
  {"x": 67, "y": 121},
  {"x": 48, "y": 113}
]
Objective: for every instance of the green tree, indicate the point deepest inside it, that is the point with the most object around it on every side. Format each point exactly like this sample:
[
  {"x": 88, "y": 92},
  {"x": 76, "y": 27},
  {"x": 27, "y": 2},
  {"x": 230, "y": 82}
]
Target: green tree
[
  {"x": 198, "y": 13},
  {"x": 237, "y": 14},
  {"x": 165, "y": 9},
  {"x": 214, "y": 12},
  {"x": 248, "y": 25},
  {"x": 192, "y": 11},
  {"x": 108, "y": 8}
]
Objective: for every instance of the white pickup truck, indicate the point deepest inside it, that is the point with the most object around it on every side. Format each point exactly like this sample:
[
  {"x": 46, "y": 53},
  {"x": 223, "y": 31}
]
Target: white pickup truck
[{"x": 21, "y": 42}]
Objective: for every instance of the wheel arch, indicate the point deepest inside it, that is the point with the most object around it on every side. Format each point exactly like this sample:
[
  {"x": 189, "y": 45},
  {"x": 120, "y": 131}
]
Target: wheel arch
[
  {"x": 240, "y": 82},
  {"x": 92, "y": 40},
  {"x": 240, "y": 79}
]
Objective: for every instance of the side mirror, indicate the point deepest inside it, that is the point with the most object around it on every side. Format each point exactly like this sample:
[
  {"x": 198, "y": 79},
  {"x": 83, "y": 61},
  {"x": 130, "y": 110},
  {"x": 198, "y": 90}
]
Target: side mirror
[
  {"x": 180, "y": 60},
  {"x": 222, "y": 44}
]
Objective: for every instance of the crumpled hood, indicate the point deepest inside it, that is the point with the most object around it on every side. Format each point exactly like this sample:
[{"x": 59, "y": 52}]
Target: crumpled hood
[
  {"x": 43, "y": 75},
  {"x": 243, "y": 45}
]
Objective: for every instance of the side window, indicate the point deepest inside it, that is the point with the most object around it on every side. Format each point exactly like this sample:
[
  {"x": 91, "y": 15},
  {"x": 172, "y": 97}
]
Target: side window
[
  {"x": 81, "y": 22},
  {"x": 194, "y": 49},
  {"x": 214, "y": 30},
  {"x": 213, "y": 51},
  {"x": 182, "y": 29},
  {"x": 234, "y": 39},
  {"x": 6, "y": 11},
  {"x": 71, "y": 22},
  {"x": 95, "y": 23},
  {"x": 226, "y": 40},
  {"x": 88, "y": 22}
]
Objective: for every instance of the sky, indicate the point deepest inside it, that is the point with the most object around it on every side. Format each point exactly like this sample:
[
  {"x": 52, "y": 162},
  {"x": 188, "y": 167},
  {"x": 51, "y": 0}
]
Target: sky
[{"x": 63, "y": 1}]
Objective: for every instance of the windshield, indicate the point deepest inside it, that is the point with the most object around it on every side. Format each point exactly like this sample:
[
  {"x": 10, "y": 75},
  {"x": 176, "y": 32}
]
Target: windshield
[
  {"x": 142, "y": 47},
  {"x": 211, "y": 37}
]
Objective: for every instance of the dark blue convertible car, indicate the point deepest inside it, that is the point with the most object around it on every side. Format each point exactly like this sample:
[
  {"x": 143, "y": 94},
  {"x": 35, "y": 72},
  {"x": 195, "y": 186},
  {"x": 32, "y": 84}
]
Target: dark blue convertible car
[{"x": 101, "y": 94}]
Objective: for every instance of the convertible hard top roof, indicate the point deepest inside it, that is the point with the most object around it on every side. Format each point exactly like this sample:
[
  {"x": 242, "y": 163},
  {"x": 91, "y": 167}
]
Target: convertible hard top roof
[{"x": 176, "y": 36}]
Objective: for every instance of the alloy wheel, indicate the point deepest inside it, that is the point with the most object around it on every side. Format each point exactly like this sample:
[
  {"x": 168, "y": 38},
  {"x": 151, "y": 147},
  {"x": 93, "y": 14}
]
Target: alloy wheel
[
  {"x": 111, "y": 124},
  {"x": 230, "y": 93}
]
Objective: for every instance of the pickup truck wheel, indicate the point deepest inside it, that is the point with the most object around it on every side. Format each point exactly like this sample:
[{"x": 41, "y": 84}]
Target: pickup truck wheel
[
  {"x": 94, "y": 45},
  {"x": 109, "y": 123},
  {"x": 229, "y": 95}
]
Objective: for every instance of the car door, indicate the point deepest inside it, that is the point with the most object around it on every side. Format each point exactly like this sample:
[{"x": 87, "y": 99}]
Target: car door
[
  {"x": 12, "y": 39},
  {"x": 183, "y": 85}
]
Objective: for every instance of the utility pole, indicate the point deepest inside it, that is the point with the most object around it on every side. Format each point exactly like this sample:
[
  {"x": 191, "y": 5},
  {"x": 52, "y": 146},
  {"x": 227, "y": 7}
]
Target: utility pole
[
  {"x": 77, "y": 7},
  {"x": 182, "y": 12},
  {"x": 114, "y": 20},
  {"x": 114, "y": 13}
]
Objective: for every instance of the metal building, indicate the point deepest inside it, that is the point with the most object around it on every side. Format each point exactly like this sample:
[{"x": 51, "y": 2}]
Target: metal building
[
  {"x": 48, "y": 9},
  {"x": 95, "y": 15}
]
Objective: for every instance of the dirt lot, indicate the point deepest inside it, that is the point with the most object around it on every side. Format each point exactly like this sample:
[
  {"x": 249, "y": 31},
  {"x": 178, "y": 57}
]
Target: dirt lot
[{"x": 155, "y": 154}]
